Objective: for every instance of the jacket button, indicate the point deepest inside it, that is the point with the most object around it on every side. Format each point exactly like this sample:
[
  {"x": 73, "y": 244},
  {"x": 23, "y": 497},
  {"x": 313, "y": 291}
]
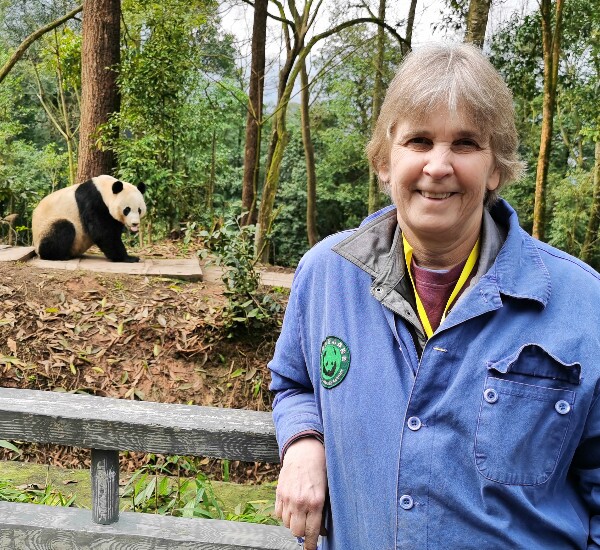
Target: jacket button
[
  {"x": 406, "y": 502},
  {"x": 562, "y": 407},
  {"x": 490, "y": 395},
  {"x": 414, "y": 423}
]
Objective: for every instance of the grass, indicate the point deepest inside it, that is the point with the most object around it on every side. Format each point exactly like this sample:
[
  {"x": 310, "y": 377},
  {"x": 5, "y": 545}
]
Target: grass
[{"x": 152, "y": 489}]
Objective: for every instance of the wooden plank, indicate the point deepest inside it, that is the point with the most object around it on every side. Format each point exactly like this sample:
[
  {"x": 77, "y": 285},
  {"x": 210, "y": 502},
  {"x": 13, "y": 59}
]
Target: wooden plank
[
  {"x": 37, "y": 527},
  {"x": 16, "y": 253},
  {"x": 179, "y": 268},
  {"x": 118, "y": 424}
]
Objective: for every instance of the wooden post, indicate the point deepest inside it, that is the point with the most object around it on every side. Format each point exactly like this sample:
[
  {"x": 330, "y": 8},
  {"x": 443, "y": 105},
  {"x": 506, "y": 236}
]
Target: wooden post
[{"x": 105, "y": 486}]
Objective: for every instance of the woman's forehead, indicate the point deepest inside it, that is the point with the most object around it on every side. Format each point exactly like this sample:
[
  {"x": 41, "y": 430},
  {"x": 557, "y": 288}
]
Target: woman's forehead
[{"x": 458, "y": 121}]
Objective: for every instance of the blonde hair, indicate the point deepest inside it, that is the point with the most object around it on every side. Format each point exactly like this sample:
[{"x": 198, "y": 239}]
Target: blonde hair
[{"x": 456, "y": 76}]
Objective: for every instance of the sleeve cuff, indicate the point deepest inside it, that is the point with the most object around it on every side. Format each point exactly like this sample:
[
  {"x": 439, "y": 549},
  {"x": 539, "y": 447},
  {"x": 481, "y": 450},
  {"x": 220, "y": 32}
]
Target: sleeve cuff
[{"x": 301, "y": 435}]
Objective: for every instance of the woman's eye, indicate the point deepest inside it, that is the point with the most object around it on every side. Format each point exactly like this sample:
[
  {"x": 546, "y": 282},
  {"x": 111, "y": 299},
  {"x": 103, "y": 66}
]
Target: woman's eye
[
  {"x": 466, "y": 145},
  {"x": 419, "y": 143}
]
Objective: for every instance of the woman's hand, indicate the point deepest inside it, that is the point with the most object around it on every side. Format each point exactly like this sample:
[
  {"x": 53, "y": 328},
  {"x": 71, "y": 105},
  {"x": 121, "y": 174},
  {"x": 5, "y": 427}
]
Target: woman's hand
[{"x": 301, "y": 490}]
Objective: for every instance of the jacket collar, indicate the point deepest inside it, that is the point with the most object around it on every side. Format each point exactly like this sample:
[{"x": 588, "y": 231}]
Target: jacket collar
[{"x": 509, "y": 257}]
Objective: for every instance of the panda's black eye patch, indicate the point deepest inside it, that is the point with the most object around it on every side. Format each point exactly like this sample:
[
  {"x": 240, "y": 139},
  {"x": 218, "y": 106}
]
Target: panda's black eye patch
[
  {"x": 139, "y": 210},
  {"x": 126, "y": 211}
]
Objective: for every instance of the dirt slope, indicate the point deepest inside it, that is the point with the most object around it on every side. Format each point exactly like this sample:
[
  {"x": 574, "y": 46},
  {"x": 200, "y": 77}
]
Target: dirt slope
[{"x": 129, "y": 337}]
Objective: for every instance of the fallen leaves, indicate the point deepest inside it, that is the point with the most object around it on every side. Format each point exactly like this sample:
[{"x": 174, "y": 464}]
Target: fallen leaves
[{"x": 127, "y": 337}]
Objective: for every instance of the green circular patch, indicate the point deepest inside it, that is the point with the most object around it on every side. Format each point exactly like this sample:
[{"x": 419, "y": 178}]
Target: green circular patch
[{"x": 335, "y": 361}]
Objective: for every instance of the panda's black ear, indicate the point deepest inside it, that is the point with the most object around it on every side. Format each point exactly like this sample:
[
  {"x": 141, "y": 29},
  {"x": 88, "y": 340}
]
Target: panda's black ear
[
  {"x": 117, "y": 187},
  {"x": 142, "y": 187}
]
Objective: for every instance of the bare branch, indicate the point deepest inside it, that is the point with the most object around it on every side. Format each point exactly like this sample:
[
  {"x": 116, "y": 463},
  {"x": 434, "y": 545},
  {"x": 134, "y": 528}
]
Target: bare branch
[
  {"x": 314, "y": 15},
  {"x": 280, "y": 19}
]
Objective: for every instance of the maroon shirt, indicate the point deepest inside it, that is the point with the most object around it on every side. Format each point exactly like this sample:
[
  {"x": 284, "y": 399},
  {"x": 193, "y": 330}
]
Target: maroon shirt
[{"x": 435, "y": 287}]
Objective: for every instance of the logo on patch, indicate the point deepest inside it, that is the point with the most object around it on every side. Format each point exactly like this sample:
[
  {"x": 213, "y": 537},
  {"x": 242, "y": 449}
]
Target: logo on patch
[{"x": 335, "y": 361}]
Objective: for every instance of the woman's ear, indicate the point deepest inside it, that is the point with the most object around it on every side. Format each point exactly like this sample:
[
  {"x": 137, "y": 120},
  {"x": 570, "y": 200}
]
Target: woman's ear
[
  {"x": 383, "y": 173},
  {"x": 494, "y": 180}
]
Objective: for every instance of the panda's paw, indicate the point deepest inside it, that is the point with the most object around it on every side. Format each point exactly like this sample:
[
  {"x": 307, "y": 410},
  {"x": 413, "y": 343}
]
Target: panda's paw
[{"x": 131, "y": 259}]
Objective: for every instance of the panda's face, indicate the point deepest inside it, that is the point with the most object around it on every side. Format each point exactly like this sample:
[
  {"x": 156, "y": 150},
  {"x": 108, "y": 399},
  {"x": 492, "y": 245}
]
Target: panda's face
[{"x": 128, "y": 205}]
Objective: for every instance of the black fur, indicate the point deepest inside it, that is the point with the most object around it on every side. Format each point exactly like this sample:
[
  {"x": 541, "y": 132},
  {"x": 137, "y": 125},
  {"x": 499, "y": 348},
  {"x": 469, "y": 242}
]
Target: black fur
[
  {"x": 57, "y": 243},
  {"x": 102, "y": 228}
]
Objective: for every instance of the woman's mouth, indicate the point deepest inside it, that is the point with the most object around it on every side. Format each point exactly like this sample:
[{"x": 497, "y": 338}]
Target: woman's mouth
[{"x": 437, "y": 196}]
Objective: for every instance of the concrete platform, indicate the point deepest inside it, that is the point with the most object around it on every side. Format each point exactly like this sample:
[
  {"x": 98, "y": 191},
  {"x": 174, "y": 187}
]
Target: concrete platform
[
  {"x": 180, "y": 268},
  {"x": 16, "y": 253}
]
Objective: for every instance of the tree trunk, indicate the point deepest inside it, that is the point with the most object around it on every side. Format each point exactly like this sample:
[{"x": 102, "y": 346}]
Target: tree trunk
[
  {"x": 99, "y": 92},
  {"x": 210, "y": 193},
  {"x": 309, "y": 154},
  {"x": 590, "y": 244},
  {"x": 551, "y": 48},
  {"x": 254, "y": 117},
  {"x": 410, "y": 23},
  {"x": 477, "y": 19},
  {"x": 374, "y": 195}
]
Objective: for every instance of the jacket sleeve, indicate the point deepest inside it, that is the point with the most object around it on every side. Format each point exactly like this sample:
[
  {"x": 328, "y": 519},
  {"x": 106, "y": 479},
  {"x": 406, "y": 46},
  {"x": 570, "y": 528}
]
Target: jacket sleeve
[
  {"x": 294, "y": 409},
  {"x": 586, "y": 466}
]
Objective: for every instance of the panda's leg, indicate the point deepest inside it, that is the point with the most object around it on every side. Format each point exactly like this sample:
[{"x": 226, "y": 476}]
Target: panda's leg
[
  {"x": 111, "y": 244},
  {"x": 58, "y": 241}
]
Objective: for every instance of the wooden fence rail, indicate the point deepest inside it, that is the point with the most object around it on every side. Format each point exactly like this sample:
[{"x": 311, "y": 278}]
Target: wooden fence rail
[{"x": 107, "y": 426}]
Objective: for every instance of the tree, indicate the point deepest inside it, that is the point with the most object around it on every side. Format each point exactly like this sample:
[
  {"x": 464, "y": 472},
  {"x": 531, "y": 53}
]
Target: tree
[
  {"x": 309, "y": 153},
  {"x": 477, "y": 18},
  {"x": 377, "y": 101},
  {"x": 591, "y": 235},
  {"x": 62, "y": 56},
  {"x": 100, "y": 55},
  {"x": 297, "y": 50},
  {"x": 551, "y": 35},
  {"x": 254, "y": 117}
]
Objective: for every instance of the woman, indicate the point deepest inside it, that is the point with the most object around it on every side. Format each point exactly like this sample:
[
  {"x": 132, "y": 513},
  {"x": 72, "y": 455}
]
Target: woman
[{"x": 437, "y": 371}]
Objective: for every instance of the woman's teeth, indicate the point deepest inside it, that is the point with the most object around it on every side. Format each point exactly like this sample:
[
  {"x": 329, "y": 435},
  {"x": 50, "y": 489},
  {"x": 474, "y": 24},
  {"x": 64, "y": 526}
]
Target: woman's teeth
[{"x": 429, "y": 195}]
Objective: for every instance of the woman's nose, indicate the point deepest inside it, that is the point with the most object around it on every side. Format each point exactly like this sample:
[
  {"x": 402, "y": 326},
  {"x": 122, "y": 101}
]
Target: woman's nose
[{"x": 439, "y": 163}]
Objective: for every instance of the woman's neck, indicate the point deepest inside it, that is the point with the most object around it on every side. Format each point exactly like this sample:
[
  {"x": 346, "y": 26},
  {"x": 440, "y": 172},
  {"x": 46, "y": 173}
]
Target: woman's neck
[{"x": 433, "y": 254}]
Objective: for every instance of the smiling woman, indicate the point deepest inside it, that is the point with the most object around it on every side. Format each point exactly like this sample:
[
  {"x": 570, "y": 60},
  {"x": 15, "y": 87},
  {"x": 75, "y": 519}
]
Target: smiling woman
[{"x": 437, "y": 371}]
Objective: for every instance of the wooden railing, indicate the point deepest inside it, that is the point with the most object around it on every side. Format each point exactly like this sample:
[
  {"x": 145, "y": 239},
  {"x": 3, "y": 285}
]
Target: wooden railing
[{"x": 107, "y": 426}]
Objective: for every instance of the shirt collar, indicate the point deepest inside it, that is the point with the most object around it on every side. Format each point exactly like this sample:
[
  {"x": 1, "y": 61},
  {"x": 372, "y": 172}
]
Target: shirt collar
[{"x": 518, "y": 270}]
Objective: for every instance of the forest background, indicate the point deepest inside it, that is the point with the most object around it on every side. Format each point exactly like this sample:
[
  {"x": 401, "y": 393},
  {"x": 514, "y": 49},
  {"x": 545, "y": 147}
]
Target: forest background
[{"x": 157, "y": 92}]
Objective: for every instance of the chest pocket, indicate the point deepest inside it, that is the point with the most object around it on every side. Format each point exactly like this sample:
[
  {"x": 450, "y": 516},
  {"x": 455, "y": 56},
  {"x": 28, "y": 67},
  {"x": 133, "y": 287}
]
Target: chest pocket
[{"x": 525, "y": 412}]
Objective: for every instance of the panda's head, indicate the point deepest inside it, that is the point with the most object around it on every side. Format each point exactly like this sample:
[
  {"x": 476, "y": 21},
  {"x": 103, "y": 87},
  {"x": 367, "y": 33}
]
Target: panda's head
[{"x": 127, "y": 204}]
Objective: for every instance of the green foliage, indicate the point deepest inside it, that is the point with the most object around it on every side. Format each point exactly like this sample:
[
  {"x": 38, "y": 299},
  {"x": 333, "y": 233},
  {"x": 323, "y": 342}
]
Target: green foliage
[
  {"x": 8, "y": 445},
  {"x": 172, "y": 108},
  {"x": 257, "y": 511},
  {"x": 516, "y": 51},
  {"x": 247, "y": 305},
  {"x": 152, "y": 489},
  {"x": 341, "y": 107},
  {"x": 571, "y": 199},
  {"x": 34, "y": 495}
]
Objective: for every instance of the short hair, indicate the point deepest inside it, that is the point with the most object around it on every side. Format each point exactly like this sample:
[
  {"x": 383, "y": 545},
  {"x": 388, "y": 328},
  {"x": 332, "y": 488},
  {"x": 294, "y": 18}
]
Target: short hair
[{"x": 455, "y": 76}]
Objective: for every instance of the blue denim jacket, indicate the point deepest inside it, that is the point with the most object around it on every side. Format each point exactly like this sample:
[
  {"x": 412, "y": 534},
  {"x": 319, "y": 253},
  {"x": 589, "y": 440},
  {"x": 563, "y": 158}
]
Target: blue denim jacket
[{"x": 488, "y": 439}]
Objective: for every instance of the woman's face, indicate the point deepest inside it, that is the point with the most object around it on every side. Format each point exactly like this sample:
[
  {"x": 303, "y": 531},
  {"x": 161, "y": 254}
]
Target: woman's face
[{"x": 439, "y": 171}]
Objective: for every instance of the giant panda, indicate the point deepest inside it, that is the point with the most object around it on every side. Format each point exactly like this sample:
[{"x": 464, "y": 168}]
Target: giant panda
[{"x": 69, "y": 221}]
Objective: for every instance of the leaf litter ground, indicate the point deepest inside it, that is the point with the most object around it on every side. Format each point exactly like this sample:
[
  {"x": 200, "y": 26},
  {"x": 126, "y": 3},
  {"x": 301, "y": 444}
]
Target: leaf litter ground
[{"x": 128, "y": 337}]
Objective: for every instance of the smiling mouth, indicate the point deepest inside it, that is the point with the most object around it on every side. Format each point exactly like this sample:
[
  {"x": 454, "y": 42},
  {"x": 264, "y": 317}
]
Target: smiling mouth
[{"x": 437, "y": 196}]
